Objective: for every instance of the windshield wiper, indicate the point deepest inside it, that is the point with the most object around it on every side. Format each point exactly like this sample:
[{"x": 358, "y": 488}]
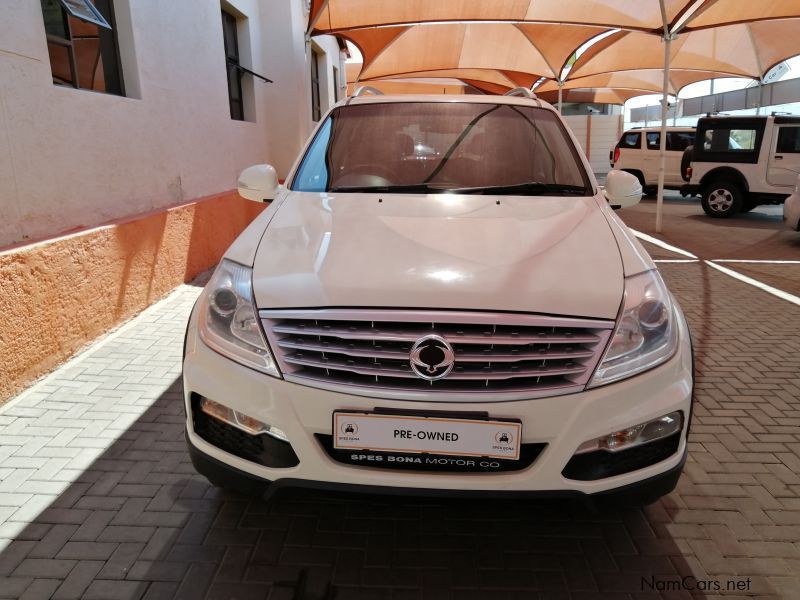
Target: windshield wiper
[
  {"x": 527, "y": 188},
  {"x": 414, "y": 188}
]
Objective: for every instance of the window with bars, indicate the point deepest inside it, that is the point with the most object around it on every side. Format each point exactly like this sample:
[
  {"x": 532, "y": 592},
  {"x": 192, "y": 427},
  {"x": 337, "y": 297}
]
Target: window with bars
[
  {"x": 316, "y": 111},
  {"x": 240, "y": 99},
  {"x": 82, "y": 44},
  {"x": 231, "y": 39}
]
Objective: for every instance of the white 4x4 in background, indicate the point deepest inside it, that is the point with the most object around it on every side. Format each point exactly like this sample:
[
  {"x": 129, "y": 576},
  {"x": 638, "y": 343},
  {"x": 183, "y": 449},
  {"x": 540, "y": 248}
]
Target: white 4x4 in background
[
  {"x": 738, "y": 163},
  {"x": 638, "y": 153}
]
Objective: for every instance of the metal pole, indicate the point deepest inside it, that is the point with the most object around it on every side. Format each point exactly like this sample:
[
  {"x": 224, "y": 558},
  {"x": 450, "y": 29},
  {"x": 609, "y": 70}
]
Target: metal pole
[
  {"x": 560, "y": 88},
  {"x": 668, "y": 36},
  {"x": 663, "y": 141},
  {"x": 758, "y": 105}
]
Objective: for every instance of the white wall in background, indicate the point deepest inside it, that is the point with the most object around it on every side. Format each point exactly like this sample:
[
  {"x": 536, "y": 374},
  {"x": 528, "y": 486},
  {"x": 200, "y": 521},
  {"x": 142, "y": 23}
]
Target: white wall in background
[{"x": 72, "y": 158}]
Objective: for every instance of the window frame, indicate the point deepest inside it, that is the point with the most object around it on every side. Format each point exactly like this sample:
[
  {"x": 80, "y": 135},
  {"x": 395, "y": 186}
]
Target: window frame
[
  {"x": 232, "y": 64},
  {"x": 636, "y": 134},
  {"x": 316, "y": 105},
  {"x": 108, "y": 46}
]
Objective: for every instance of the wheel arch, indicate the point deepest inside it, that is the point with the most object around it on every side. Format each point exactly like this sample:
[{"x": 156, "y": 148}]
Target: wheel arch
[{"x": 728, "y": 173}]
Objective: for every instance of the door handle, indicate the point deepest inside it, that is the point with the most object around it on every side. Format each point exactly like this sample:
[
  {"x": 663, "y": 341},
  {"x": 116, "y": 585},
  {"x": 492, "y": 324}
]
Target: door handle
[{"x": 778, "y": 157}]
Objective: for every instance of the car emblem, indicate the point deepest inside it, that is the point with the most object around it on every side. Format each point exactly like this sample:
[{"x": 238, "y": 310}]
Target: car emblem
[{"x": 432, "y": 357}]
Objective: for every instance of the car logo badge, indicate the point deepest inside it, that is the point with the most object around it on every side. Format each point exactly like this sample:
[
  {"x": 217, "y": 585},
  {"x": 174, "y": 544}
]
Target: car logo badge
[{"x": 432, "y": 357}]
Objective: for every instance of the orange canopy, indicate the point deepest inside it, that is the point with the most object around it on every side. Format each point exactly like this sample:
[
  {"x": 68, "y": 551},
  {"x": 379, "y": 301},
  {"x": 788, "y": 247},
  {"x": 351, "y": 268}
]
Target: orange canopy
[
  {"x": 328, "y": 16},
  {"x": 650, "y": 80},
  {"x": 336, "y": 15},
  {"x": 533, "y": 50},
  {"x": 740, "y": 50}
]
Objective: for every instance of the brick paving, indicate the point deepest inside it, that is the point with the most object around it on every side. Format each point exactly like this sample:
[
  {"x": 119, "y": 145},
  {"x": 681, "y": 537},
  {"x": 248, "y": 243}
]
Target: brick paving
[{"x": 98, "y": 499}]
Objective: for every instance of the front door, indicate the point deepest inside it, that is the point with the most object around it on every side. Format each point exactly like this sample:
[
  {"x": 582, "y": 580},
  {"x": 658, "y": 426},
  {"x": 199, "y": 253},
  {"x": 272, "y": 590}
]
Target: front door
[{"x": 784, "y": 159}]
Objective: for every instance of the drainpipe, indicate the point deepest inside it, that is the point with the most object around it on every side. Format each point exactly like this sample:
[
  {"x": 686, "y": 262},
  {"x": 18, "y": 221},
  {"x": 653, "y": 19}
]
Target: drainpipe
[{"x": 560, "y": 88}]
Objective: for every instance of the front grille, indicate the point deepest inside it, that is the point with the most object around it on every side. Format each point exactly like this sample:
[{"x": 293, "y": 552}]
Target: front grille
[{"x": 367, "y": 352}]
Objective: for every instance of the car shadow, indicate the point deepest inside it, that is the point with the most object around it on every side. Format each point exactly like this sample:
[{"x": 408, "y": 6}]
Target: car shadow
[{"x": 140, "y": 523}]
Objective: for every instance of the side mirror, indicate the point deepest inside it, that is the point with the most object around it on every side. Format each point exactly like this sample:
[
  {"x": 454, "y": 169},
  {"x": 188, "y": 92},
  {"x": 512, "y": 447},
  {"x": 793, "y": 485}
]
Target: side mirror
[
  {"x": 622, "y": 189},
  {"x": 258, "y": 183}
]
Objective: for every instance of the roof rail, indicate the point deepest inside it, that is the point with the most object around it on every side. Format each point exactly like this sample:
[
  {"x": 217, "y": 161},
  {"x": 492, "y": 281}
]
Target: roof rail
[
  {"x": 521, "y": 91},
  {"x": 367, "y": 89}
]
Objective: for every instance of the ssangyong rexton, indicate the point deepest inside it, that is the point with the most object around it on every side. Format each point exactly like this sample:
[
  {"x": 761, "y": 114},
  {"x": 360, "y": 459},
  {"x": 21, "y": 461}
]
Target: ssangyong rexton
[{"x": 440, "y": 298}]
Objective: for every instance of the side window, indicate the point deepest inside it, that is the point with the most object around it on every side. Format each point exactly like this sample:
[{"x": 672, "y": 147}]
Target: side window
[
  {"x": 679, "y": 140},
  {"x": 632, "y": 139},
  {"x": 653, "y": 140},
  {"x": 82, "y": 44},
  {"x": 316, "y": 111},
  {"x": 335, "y": 84},
  {"x": 788, "y": 140},
  {"x": 313, "y": 173},
  {"x": 231, "y": 38},
  {"x": 729, "y": 140}
]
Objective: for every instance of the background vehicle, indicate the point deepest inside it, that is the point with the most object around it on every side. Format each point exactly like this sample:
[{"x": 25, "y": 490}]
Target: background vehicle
[
  {"x": 440, "y": 288},
  {"x": 738, "y": 163},
  {"x": 638, "y": 153},
  {"x": 791, "y": 208}
]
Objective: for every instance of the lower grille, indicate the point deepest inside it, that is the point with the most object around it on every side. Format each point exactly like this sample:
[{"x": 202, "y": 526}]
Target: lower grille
[
  {"x": 601, "y": 463},
  {"x": 367, "y": 352},
  {"x": 262, "y": 449}
]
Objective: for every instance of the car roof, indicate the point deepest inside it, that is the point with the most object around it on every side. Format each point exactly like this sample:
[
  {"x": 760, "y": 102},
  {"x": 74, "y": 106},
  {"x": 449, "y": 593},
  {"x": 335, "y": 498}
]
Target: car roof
[{"x": 669, "y": 128}]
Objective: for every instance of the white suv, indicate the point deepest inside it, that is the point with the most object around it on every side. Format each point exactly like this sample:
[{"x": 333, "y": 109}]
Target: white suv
[
  {"x": 638, "y": 153},
  {"x": 741, "y": 162},
  {"x": 440, "y": 298}
]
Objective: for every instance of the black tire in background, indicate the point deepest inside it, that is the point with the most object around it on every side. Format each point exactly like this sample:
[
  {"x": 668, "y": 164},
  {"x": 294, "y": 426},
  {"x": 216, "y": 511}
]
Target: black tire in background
[
  {"x": 686, "y": 161},
  {"x": 722, "y": 198}
]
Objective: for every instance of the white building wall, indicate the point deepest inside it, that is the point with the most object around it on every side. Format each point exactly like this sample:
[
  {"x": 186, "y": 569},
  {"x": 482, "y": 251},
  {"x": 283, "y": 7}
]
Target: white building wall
[
  {"x": 73, "y": 158},
  {"x": 597, "y": 134}
]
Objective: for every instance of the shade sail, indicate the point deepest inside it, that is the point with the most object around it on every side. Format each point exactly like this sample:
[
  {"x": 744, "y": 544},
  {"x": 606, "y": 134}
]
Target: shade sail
[
  {"x": 592, "y": 95},
  {"x": 534, "y": 49},
  {"x": 741, "y": 50},
  {"x": 724, "y": 12},
  {"x": 336, "y": 15},
  {"x": 651, "y": 80}
]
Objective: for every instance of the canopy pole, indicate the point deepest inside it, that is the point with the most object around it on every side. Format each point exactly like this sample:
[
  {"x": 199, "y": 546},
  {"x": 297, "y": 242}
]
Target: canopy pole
[
  {"x": 560, "y": 88},
  {"x": 668, "y": 37}
]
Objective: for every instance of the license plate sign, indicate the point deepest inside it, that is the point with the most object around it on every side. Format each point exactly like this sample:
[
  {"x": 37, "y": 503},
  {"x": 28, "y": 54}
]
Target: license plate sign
[{"x": 426, "y": 435}]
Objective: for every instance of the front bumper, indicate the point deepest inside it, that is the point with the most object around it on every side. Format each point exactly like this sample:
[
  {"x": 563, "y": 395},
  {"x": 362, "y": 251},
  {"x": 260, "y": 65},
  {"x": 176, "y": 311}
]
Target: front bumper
[
  {"x": 562, "y": 423},
  {"x": 791, "y": 212}
]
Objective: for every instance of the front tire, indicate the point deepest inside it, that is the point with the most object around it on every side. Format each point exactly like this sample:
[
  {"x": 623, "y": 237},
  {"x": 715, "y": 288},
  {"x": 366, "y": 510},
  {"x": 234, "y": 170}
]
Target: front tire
[{"x": 722, "y": 199}]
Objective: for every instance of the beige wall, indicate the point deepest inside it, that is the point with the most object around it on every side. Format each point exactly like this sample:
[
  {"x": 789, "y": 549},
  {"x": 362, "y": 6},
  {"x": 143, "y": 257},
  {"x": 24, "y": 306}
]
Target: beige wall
[
  {"x": 142, "y": 182},
  {"x": 73, "y": 158},
  {"x": 58, "y": 295}
]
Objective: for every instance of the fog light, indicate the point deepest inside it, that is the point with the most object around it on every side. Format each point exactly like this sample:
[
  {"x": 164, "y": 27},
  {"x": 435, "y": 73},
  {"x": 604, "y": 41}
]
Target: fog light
[
  {"x": 240, "y": 420},
  {"x": 635, "y": 435}
]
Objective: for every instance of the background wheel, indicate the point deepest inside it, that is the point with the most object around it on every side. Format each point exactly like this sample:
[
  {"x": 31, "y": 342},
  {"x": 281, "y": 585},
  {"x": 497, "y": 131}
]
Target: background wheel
[{"x": 721, "y": 199}]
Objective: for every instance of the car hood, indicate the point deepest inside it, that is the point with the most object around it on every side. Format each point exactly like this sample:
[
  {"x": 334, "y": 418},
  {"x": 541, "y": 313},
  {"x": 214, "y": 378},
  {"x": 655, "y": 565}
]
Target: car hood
[{"x": 554, "y": 255}]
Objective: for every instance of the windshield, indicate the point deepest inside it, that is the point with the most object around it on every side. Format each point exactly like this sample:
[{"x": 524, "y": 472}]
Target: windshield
[{"x": 436, "y": 147}]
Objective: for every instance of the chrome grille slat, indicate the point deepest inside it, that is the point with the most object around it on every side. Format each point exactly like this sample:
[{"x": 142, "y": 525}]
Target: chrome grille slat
[
  {"x": 489, "y": 354},
  {"x": 390, "y": 371},
  {"x": 414, "y": 334},
  {"x": 498, "y": 356}
]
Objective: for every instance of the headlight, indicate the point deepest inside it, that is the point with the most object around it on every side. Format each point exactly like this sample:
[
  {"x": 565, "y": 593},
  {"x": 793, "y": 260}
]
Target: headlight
[
  {"x": 646, "y": 334},
  {"x": 228, "y": 320}
]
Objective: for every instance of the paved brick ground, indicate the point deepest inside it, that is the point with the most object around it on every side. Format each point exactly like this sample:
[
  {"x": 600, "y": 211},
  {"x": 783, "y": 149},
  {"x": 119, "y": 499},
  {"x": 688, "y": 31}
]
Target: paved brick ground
[{"x": 98, "y": 499}]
